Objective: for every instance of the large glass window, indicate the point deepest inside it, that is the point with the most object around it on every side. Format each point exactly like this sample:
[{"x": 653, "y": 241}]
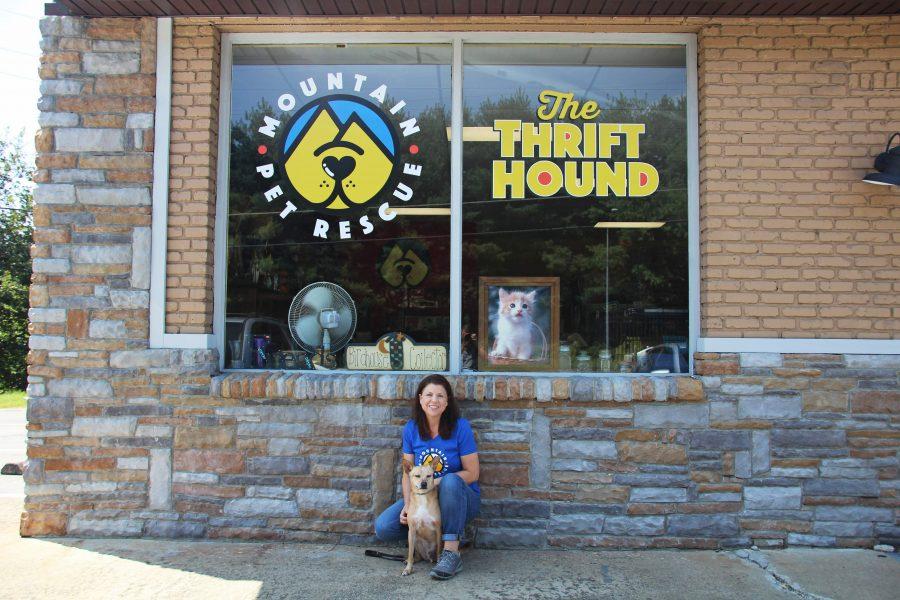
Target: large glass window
[
  {"x": 339, "y": 195},
  {"x": 574, "y": 207},
  {"x": 575, "y": 254}
]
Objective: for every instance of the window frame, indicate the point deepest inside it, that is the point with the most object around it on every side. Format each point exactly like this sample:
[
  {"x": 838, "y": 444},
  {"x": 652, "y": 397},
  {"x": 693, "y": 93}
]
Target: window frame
[{"x": 457, "y": 40}]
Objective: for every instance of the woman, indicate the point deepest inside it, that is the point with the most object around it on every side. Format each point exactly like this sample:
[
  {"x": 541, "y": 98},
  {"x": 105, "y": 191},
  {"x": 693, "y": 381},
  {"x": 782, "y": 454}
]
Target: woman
[{"x": 438, "y": 436}]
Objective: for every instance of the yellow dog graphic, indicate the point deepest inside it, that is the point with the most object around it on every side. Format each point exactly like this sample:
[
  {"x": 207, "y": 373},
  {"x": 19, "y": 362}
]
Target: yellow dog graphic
[
  {"x": 337, "y": 164},
  {"x": 434, "y": 461}
]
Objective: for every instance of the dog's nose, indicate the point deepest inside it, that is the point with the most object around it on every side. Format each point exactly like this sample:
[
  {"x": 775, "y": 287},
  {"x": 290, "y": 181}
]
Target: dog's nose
[
  {"x": 338, "y": 168},
  {"x": 423, "y": 486}
]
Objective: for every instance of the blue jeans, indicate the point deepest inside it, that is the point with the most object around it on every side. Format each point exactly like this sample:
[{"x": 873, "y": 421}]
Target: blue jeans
[{"x": 459, "y": 505}]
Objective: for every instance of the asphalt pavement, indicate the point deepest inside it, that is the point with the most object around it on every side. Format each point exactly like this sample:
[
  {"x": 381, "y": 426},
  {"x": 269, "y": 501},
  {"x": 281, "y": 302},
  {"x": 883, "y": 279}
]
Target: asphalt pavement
[{"x": 97, "y": 569}]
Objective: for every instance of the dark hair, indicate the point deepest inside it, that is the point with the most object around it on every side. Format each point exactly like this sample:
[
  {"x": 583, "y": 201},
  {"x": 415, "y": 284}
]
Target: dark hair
[{"x": 449, "y": 416}]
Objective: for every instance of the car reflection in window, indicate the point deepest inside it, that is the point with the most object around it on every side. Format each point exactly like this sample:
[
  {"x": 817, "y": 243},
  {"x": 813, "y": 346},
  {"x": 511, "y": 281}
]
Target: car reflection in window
[{"x": 664, "y": 358}]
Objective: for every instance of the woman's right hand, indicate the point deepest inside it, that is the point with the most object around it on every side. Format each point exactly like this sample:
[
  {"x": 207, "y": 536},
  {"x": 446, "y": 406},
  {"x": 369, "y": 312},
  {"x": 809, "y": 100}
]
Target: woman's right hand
[{"x": 403, "y": 515}]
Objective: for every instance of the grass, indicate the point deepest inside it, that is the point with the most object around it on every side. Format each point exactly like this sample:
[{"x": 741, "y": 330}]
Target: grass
[{"x": 12, "y": 399}]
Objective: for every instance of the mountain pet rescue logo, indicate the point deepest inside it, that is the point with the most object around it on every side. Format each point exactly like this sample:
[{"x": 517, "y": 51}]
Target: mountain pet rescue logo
[
  {"x": 339, "y": 153},
  {"x": 434, "y": 458}
]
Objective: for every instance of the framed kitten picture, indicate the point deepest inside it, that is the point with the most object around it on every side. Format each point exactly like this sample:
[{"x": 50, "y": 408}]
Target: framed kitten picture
[{"x": 518, "y": 323}]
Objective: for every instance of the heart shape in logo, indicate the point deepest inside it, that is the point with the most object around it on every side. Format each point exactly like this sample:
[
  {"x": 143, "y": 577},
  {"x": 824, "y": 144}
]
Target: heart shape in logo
[{"x": 338, "y": 168}]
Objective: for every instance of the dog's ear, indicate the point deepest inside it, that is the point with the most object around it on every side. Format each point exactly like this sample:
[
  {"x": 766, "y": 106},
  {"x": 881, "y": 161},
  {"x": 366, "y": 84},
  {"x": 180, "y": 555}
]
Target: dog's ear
[{"x": 407, "y": 466}]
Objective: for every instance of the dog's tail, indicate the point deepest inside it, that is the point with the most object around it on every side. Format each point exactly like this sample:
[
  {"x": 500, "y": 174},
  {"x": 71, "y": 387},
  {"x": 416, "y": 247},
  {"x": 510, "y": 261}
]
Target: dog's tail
[{"x": 379, "y": 554}]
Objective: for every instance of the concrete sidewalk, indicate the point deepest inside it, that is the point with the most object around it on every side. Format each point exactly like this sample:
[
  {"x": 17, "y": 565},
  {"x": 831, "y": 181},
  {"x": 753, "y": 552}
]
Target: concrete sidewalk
[
  {"x": 12, "y": 449},
  {"x": 112, "y": 568}
]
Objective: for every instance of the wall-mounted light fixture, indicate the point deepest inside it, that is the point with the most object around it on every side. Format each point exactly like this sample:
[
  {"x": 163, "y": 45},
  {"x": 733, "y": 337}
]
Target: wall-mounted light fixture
[{"x": 887, "y": 165}]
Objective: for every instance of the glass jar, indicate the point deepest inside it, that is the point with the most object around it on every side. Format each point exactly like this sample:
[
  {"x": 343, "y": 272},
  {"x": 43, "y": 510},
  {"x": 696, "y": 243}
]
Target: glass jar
[
  {"x": 565, "y": 358},
  {"x": 583, "y": 363},
  {"x": 605, "y": 362}
]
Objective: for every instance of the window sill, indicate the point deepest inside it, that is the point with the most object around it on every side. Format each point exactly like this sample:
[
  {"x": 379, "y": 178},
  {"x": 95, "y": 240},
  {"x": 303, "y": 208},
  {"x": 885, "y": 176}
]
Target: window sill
[{"x": 265, "y": 386}]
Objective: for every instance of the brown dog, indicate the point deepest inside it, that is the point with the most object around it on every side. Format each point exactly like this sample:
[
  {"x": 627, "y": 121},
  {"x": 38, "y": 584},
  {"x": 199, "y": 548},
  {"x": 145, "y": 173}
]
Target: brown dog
[{"x": 423, "y": 516}]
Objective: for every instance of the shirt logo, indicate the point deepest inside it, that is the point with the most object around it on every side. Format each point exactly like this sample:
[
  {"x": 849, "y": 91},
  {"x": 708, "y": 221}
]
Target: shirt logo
[{"x": 434, "y": 457}]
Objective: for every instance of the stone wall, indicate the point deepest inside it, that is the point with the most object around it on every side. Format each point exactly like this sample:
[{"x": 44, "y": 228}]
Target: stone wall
[
  {"x": 773, "y": 449},
  {"x": 98, "y": 436}
]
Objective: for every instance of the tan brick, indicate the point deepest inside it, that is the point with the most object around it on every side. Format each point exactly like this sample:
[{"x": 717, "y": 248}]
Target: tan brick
[
  {"x": 37, "y": 523},
  {"x": 215, "y": 461},
  {"x": 875, "y": 401},
  {"x": 827, "y": 401},
  {"x": 90, "y": 104},
  {"x": 114, "y": 29},
  {"x": 665, "y": 454},
  {"x": 76, "y": 323},
  {"x": 125, "y": 85},
  {"x": 204, "y": 437}
]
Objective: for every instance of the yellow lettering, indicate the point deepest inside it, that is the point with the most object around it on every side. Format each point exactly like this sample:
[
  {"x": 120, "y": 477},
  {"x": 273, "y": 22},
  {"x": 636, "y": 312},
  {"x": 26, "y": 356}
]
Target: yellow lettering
[
  {"x": 540, "y": 136},
  {"x": 561, "y": 105},
  {"x": 643, "y": 179},
  {"x": 544, "y": 178},
  {"x": 507, "y": 129},
  {"x": 579, "y": 186},
  {"x": 632, "y": 134},
  {"x": 607, "y": 138},
  {"x": 566, "y": 138},
  {"x": 590, "y": 110},
  {"x": 551, "y": 104},
  {"x": 514, "y": 179},
  {"x": 590, "y": 140},
  {"x": 612, "y": 179}
]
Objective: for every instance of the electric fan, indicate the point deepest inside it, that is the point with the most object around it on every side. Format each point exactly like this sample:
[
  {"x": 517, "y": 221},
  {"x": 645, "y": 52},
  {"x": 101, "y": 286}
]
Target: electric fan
[{"x": 322, "y": 320}]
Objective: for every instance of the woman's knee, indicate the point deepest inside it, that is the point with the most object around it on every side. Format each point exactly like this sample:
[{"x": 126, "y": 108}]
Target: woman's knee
[
  {"x": 381, "y": 528},
  {"x": 387, "y": 525},
  {"x": 451, "y": 483}
]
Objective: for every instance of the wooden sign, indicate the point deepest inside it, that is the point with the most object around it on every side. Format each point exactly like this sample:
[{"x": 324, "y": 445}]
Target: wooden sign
[{"x": 396, "y": 351}]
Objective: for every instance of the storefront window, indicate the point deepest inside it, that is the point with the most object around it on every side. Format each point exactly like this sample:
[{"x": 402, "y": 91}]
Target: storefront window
[
  {"x": 575, "y": 247},
  {"x": 574, "y": 206},
  {"x": 338, "y": 224}
]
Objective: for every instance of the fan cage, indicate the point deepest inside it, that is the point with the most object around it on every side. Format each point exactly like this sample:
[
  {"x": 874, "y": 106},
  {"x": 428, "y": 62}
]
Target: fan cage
[{"x": 298, "y": 310}]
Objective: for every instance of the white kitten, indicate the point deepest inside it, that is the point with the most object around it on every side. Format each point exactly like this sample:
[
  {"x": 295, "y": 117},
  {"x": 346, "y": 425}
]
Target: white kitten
[{"x": 514, "y": 318}]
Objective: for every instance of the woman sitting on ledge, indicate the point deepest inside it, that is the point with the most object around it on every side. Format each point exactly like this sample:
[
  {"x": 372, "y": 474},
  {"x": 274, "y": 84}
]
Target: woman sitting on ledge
[{"x": 438, "y": 436}]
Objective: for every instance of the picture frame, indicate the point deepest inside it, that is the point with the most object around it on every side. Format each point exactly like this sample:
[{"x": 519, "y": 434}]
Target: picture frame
[{"x": 505, "y": 351}]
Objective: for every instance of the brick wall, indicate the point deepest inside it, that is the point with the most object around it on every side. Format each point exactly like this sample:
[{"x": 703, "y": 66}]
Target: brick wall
[
  {"x": 792, "y": 115},
  {"x": 192, "y": 183}
]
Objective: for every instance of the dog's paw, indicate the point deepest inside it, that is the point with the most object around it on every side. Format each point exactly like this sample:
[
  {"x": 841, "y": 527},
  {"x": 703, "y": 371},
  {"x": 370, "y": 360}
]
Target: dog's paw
[{"x": 406, "y": 571}]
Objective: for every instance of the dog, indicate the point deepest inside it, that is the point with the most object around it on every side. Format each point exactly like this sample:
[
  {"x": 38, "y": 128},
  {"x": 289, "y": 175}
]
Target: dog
[{"x": 423, "y": 516}]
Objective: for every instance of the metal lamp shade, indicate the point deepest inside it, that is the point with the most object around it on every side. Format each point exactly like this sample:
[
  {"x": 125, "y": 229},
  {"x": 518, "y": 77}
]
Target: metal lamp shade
[{"x": 887, "y": 165}]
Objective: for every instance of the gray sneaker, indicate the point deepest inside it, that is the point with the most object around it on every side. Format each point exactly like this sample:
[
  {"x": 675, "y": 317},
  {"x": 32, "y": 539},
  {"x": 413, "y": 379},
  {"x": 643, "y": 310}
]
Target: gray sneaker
[{"x": 448, "y": 565}]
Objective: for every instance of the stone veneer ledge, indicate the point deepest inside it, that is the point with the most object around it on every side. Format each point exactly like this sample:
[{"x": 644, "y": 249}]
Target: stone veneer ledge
[{"x": 288, "y": 385}]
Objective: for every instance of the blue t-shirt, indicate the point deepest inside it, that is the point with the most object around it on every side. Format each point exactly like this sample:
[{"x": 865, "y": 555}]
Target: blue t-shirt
[{"x": 443, "y": 455}]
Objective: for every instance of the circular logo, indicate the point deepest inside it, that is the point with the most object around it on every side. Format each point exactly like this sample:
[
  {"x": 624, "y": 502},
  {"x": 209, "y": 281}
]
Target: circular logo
[
  {"x": 434, "y": 458},
  {"x": 339, "y": 152}
]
